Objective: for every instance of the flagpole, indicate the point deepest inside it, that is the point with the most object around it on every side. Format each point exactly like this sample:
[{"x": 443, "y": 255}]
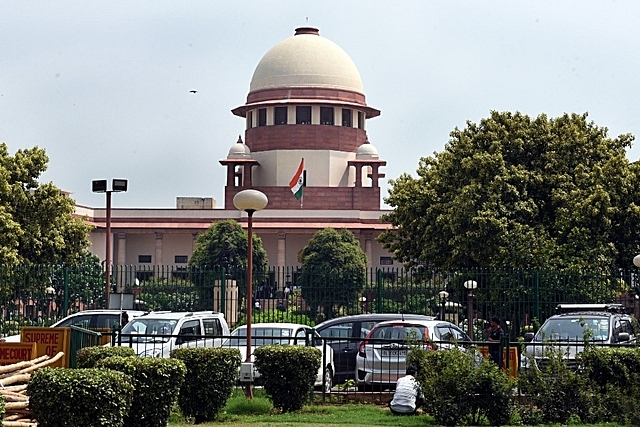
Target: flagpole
[{"x": 304, "y": 184}]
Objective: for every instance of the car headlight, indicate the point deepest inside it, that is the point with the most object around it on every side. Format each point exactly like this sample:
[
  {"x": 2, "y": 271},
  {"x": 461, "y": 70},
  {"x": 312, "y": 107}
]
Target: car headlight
[{"x": 152, "y": 352}]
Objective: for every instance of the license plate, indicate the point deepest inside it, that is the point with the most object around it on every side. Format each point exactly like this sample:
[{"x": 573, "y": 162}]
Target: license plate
[{"x": 394, "y": 353}]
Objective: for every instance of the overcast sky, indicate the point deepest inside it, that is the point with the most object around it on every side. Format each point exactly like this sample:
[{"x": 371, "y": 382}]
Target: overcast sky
[{"x": 104, "y": 86}]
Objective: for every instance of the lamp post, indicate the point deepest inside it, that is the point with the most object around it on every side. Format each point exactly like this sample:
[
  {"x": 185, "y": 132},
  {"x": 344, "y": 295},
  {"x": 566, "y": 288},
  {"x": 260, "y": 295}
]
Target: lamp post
[
  {"x": 363, "y": 303},
  {"x": 249, "y": 201},
  {"x": 100, "y": 186},
  {"x": 470, "y": 285},
  {"x": 636, "y": 306},
  {"x": 50, "y": 291},
  {"x": 443, "y": 300}
]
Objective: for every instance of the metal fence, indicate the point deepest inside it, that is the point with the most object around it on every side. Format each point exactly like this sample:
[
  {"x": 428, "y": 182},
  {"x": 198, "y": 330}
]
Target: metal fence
[{"x": 38, "y": 295}]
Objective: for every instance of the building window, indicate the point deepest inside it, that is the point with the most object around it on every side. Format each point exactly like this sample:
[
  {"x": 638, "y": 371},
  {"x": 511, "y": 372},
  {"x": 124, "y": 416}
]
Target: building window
[
  {"x": 249, "y": 119},
  {"x": 326, "y": 115},
  {"x": 346, "y": 117},
  {"x": 360, "y": 120},
  {"x": 181, "y": 259},
  {"x": 386, "y": 260},
  {"x": 262, "y": 117},
  {"x": 303, "y": 115},
  {"x": 280, "y": 115},
  {"x": 144, "y": 259}
]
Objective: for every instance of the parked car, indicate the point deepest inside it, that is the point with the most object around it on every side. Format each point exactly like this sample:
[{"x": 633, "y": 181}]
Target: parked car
[
  {"x": 567, "y": 331},
  {"x": 95, "y": 320},
  {"x": 381, "y": 358},
  {"x": 156, "y": 333},
  {"x": 283, "y": 334},
  {"x": 344, "y": 334}
]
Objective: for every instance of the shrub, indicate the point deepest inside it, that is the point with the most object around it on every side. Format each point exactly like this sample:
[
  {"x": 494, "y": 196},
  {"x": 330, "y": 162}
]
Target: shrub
[
  {"x": 60, "y": 397},
  {"x": 88, "y": 356},
  {"x": 557, "y": 391},
  {"x": 614, "y": 373},
  {"x": 288, "y": 374},
  {"x": 211, "y": 376},
  {"x": 156, "y": 382},
  {"x": 459, "y": 385}
]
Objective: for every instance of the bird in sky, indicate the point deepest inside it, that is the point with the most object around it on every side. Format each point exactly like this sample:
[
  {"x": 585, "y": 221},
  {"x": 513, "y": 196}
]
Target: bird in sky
[{"x": 193, "y": 91}]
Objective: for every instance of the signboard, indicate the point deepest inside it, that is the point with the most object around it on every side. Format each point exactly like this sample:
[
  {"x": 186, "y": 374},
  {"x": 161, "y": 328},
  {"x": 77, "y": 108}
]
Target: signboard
[
  {"x": 14, "y": 352},
  {"x": 49, "y": 341}
]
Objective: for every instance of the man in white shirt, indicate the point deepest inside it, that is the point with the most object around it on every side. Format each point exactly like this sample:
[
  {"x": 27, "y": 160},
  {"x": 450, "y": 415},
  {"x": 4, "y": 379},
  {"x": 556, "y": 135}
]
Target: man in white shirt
[{"x": 408, "y": 396}]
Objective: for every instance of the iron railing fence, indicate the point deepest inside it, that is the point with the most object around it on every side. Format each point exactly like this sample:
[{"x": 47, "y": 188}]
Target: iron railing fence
[{"x": 40, "y": 294}]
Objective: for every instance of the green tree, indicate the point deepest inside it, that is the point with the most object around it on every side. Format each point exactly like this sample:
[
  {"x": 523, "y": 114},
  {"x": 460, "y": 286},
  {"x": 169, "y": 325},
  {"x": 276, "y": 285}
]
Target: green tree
[
  {"x": 36, "y": 220},
  {"x": 224, "y": 245},
  {"x": 512, "y": 191},
  {"x": 211, "y": 249},
  {"x": 333, "y": 270}
]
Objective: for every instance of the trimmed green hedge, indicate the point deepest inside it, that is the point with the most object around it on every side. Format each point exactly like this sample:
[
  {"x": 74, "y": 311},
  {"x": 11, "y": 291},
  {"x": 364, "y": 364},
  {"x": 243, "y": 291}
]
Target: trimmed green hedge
[
  {"x": 88, "y": 356},
  {"x": 61, "y": 397},
  {"x": 288, "y": 373},
  {"x": 211, "y": 376},
  {"x": 157, "y": 383}
]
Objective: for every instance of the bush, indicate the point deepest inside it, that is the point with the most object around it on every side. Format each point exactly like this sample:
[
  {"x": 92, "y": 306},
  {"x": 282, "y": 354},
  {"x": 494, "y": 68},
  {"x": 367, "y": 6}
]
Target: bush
[
  {"x": 156, "y": 382},
  {"x": 211, "y": 376},
  {"x": 557, "y": 391},
  {"x": 88, "y": 356},
  {"x": 288, "y": 374},
  {"x": 458, "y": 385},
  {"x": 614, "y": 373},
  {"x": 60, "y": 397}
]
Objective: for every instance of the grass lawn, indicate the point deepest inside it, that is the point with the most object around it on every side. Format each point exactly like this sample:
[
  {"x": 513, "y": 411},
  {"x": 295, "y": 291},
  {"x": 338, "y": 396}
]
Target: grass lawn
[{"x": 241, "y": 412}]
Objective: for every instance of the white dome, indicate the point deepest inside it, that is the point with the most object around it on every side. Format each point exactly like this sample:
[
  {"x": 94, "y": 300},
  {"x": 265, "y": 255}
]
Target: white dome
[
  {"x": 239, "y": 151},
  {"x": 367, "y": 152},
  {"x": 306, "y": 60}
]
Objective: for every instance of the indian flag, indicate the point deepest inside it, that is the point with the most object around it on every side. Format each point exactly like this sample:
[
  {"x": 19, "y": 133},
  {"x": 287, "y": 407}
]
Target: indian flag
[{"x": 297, "y": 182}]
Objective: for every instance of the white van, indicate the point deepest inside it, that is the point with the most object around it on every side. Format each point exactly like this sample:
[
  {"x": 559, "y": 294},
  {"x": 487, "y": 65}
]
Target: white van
[{"x": 156, "y": 333}]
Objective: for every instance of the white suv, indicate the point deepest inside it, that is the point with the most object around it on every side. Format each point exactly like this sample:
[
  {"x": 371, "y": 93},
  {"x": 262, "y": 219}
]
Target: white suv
[{"x": 157, "y": 333}]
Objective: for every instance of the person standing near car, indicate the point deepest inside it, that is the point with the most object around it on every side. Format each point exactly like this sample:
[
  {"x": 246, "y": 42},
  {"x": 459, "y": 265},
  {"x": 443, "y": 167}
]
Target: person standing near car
[
  {"x": 408, "y": 395},
  {"x": 495, "y": 336}
]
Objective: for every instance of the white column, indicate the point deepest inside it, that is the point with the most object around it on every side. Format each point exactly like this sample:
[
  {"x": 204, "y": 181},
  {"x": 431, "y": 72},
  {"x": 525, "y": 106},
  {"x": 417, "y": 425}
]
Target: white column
[
  {"x": 368, "y": 248},
  {"x": 158, "y": 257}
]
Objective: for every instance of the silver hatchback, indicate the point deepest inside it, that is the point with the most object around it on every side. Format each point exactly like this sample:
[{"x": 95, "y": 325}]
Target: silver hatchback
[{"x": 382, "y": 355}]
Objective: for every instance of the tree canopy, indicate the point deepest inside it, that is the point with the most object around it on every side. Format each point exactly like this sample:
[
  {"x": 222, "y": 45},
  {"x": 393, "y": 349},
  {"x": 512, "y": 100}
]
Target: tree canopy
[
  {"x": 36, "y": 220},
  {"x": 333, "y": 270},
  {"x": 512, "y": 191},
  {"x": 212, "y": 249}
]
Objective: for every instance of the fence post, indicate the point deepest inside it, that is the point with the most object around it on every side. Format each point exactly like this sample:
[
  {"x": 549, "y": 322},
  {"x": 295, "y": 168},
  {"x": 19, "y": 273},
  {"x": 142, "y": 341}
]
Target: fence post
[
  {"x": 223, "y": 291},
  {"x": 536, "y": 292},
  {"x": 379, "y": 284},
  {"x": 65, "y": 300}
]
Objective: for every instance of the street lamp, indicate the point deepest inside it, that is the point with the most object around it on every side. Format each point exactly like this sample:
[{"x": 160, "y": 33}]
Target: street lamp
[
  {"x": 443, "y": 300},
  {"x": 100, "y": 186},
  {"x": 249, "y": 201},
  {"x": 50, "y": 291},
  {"x": 636, "y": 308},
  {"x": 363, "y": 303},
  {"x": 470, "y": 285}
]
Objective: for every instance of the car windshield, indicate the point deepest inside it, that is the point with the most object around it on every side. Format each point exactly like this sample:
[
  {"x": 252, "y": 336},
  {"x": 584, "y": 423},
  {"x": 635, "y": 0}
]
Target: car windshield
[
  {"x": 574, "y": 329},
  {"x": 146, "y": 330},
  {"x": 261, "y": 336},
  {"x": 398, "y": 332}
]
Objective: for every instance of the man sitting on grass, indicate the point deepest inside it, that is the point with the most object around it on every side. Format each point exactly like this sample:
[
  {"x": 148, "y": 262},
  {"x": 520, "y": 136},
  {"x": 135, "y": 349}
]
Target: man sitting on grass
[{"x": 408, "y": 396}]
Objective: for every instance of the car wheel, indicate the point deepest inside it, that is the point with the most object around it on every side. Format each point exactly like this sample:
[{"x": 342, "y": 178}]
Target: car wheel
[{"x": 328, "y": 380}]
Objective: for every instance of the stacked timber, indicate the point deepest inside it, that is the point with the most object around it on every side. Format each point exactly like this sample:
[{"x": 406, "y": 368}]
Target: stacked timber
[{"x": 13, "y": 386}]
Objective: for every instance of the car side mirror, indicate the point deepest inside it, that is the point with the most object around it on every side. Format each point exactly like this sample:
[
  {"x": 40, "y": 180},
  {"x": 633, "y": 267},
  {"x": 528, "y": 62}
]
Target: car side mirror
[
  {"x": 529, "y": 336},
  {"x": 623, "y": 336}
]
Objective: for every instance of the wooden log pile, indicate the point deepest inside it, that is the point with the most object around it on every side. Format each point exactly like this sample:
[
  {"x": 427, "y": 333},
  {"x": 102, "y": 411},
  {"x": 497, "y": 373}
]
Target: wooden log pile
[{"x": 13, "y": 386}]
